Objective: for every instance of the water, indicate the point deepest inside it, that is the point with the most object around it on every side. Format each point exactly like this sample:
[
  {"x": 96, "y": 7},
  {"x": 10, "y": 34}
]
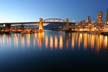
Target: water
[{"x": 51, "y": 50}]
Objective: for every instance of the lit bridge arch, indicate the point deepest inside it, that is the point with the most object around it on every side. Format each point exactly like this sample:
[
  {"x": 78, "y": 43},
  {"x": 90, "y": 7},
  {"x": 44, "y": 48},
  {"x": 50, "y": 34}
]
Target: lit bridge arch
[{"x": 54, "y": 20}]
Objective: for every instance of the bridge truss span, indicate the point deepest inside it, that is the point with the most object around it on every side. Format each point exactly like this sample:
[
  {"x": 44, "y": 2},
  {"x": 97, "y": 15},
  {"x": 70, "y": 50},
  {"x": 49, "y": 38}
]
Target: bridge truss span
[{"x": 54, "y": 20}]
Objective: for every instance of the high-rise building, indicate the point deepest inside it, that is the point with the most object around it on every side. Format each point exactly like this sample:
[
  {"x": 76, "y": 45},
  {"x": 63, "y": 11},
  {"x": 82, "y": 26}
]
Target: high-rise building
[
  {"x": 107, "y": 17},
  {"x": 88, "y": 20},
  {"x": 99, "y": 18}
]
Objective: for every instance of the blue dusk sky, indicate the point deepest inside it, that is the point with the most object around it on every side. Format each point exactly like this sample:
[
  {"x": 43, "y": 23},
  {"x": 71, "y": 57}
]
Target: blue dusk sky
[{"x": 32, "y": 10}]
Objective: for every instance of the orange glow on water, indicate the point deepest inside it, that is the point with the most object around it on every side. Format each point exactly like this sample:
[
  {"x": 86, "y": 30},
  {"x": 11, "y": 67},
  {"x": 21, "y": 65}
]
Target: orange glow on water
[
  {"x": 92, "y": 41},
  {"x": 16, "y": 40},
  {"x": 8, "y": 41},
  {"x": 85, "y": 40},
  {"x": 97, "y": 43},
  {"x": 101, "y": 41},
  {"x": 35, "y": 36},
  {"x": 79, "y": 40},
  {"x": 56, "y": 42},
  {"x": 61, "y": 42},
  {"x": 46, "y": 41},
  {"x": 73, "y": 40},
  {"x": 34, "y": 42},
  {"x": 51, "y": 42},
  {"x": 105, "y": 41},
  {"x": 28, "y": 40},
  {"x": 40, "y": 39},
  {"x": 22, "y": 41},
  {"x": 67, "y": 39}
]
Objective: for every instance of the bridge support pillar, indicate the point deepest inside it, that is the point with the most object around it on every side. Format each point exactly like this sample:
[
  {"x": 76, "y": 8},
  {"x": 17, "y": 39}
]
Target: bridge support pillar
[
  {"x": 41, "y": 24},
  {"x": 67, "y": 24}
]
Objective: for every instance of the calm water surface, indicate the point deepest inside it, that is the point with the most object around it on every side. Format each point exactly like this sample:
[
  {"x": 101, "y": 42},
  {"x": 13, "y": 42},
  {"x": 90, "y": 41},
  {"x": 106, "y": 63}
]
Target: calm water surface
[{"x": 52, "y": 50}]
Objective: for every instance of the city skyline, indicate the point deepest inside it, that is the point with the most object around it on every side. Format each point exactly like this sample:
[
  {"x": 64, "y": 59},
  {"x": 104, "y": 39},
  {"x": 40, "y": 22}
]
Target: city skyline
[{"x": 32, "y": 10}]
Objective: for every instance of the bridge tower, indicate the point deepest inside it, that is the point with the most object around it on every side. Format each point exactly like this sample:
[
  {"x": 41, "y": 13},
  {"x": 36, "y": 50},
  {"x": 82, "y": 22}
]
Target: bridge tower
[
  {"x": 41, "y": 24},
  {"x": 67, "y": 23}
]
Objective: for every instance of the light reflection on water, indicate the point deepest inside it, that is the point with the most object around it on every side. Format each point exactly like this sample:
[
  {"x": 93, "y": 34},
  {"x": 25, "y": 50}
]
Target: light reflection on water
[{"x": 54, "y": 40}]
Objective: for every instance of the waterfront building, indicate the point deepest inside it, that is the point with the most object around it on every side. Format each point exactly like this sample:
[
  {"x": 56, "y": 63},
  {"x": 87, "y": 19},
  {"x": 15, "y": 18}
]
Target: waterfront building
[
  {"x": 99, "y": 19},
  {"x": 88, "y": 20},
  {"x": 107, "y": 17},
  {"x": 105, "y": 28}
]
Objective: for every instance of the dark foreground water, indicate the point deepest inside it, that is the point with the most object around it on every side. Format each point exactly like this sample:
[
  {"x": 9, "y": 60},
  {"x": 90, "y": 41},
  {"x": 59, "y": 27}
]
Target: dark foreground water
[{"x": 52, "y": 50}]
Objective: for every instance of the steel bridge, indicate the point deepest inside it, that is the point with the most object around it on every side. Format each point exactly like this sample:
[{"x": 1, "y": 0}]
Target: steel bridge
[{"x": 41, "y": 22}]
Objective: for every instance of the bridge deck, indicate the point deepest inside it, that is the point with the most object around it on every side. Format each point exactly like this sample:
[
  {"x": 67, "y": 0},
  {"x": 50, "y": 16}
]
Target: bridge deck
[{"x": 32, "y": 22}]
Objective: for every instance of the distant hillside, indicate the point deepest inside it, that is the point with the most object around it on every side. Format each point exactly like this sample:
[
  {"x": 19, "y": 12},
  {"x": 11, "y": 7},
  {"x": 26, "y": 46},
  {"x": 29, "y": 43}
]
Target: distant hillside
[{"x": 53, "y": 26}]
